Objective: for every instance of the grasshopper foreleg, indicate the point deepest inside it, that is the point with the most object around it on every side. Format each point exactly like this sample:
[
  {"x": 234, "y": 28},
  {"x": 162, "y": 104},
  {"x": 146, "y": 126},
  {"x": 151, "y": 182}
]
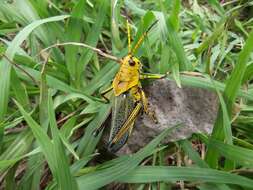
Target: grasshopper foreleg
[{"x": 152, "y": 76}]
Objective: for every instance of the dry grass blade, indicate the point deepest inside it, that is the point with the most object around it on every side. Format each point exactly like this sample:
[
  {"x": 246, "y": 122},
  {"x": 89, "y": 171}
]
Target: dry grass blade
[{"x": 100, "y": 52}]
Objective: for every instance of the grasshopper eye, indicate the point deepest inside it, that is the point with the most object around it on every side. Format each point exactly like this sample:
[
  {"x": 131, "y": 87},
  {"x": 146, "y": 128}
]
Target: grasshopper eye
[{"x": 131, "y": 62}]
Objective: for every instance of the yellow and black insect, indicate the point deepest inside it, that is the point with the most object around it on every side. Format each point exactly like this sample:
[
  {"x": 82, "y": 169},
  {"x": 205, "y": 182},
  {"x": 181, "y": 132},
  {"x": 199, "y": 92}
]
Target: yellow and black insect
[{"x": 129, "y": 98}]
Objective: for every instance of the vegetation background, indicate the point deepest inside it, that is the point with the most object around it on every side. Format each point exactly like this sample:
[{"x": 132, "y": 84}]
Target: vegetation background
[{"x": 50, "y": 102}]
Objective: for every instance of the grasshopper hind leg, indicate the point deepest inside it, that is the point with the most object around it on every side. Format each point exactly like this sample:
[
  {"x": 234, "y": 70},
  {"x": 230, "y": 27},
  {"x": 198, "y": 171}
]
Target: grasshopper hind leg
[{"x": 146, "y": 109}]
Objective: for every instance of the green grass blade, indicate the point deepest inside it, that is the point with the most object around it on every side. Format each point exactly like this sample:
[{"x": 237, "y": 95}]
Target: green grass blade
[
  {"x": 64, "y": 178},
  {"x": 235, "y": 80},
  {"x": 10, "y": 178},
  {"x": 243, "y": 156},
  {"x": 205, "y": 83},
  {"x": 16, "y": 149},
  {"x": 42, "y": 139},
  {"x": 55, "y": 83},
  {"x": 228, "y": 137},
  {"x": 40, "y": 135},
  {"x": 73, "y": 34},
  {"x": 25, "y": 32},
  {"x": 115, "y": 25},
  {"x": 121, "y": 166},
  {"x": 88, "y": 143},
  {"x": 194, "y": 156},
  {"x": 217, "y": 6},
  {"x": 177, "y": 46},
  {"x": 174, "y": 17},
  {"x": 248, "y": 73},
  {"x": 5, "y": 67},
  {"x": 19, "y": 90},
  {"x": 92, "y": 39},
  {"x": 103, "y": 77},
  {"x": 230, "y": 94},
  {"x": 148, "y": 174},
  {"x": 211, "y": 39},
  {"x": 31, "y": 178}
]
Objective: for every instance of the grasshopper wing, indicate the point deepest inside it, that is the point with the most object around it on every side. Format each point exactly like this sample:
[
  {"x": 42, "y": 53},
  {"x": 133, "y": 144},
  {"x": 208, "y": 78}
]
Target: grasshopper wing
[{"x": 122, "y": 108}]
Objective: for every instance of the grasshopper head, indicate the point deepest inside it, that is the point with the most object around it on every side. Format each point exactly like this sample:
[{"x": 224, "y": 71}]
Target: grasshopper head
[{"x": 131, "y": 62}]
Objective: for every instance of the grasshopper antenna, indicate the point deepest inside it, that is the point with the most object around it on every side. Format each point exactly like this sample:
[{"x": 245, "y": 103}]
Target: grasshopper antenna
[{"x": 143, "y": 37}]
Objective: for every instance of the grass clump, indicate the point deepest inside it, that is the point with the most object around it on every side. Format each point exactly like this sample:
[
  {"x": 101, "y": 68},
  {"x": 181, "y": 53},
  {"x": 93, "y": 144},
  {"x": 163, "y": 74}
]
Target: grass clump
[{"x": 50, "y": 102}]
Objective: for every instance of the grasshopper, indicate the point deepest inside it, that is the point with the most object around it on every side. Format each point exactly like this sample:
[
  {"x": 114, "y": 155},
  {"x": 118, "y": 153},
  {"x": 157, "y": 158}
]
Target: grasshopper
[{"x": 129, "y": 98}]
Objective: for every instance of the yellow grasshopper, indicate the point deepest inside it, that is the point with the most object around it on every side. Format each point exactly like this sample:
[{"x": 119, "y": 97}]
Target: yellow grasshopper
[{"x": 130, "y": 98}]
